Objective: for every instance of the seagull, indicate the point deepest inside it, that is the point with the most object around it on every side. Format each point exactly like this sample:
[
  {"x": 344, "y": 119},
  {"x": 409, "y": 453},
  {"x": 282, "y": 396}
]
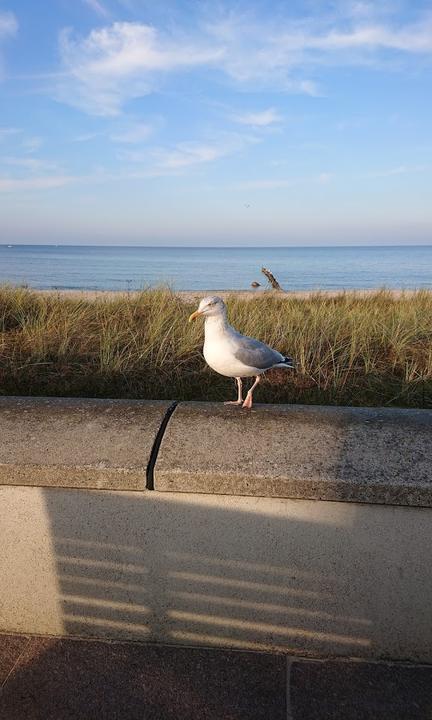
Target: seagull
[{"x": 232, "y": 354}]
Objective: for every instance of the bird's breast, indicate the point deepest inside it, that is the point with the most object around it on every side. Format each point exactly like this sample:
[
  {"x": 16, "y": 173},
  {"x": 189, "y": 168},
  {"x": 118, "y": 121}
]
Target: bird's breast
[{"x": 220, "y": 357}]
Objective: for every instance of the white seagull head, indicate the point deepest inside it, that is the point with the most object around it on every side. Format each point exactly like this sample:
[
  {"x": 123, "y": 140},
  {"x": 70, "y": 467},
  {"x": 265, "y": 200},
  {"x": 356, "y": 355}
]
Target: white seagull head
[{"x": 210, "y": 307}]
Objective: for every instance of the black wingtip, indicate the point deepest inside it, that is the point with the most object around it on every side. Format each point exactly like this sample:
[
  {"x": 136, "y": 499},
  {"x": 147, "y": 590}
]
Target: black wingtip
[{"x": 289, "y": 362}]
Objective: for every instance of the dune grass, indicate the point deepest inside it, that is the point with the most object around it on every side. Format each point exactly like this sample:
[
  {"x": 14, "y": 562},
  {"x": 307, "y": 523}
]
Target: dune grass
[{"x": 350, "y": 350}]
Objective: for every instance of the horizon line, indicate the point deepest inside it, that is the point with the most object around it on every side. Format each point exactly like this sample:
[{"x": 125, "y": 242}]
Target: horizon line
[{"x": 216, "y": 247}]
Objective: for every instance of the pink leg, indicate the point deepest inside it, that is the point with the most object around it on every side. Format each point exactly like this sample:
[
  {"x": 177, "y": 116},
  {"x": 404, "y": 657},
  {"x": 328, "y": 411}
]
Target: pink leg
[
  {"x": 239, "y": 400},
  {"x": 248, "y": 400}
]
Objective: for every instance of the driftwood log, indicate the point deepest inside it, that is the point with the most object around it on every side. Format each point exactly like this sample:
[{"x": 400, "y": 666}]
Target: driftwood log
[{"x": 271, "y": 278}]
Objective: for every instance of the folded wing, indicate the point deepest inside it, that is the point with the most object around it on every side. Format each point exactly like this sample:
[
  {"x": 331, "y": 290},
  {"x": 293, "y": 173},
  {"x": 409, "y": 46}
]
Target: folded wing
[{"x": 254, "y": 353}]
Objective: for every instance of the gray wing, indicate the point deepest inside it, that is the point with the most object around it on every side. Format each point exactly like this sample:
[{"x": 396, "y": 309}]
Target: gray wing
[{"x": 255, "y": 353}]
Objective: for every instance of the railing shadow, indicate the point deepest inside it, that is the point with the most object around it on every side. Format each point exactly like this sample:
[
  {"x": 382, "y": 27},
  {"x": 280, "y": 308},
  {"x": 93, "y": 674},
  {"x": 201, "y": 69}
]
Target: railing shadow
[
  {"x": 299, "y": 577},
  {"x": 169, "y": 568}
]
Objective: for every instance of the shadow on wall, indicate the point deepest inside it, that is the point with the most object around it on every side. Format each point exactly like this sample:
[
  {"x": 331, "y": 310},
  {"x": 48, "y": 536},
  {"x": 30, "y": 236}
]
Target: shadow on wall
[
  {"x": 301, "y": 576},
  {"x": 241, "y": 573}
]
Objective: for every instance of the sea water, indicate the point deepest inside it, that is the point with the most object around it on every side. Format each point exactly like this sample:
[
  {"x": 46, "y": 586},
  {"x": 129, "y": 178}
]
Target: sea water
[{"x": 215, "y": 268}]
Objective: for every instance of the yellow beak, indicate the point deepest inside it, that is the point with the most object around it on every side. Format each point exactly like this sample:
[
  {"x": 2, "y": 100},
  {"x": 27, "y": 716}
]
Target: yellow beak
[{"x": 194, "y": 315}]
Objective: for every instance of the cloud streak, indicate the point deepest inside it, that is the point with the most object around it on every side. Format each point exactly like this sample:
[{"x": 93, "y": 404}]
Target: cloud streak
[
  {"x": 259, "y": 119},
  {"x": 28, "y": 163},
  {"x": 283, "y": 56},
  {"x": 98, "y": 8},
  {"x": 132, "y": 134},
  {"x": 125, "y": 60},
  {"x": 158, "y": 161},
  {"x": 276, "y": 183},
  {"x": 117, "y": 63},
  {"x": 8, "y": 28},
  {"x": 11, "y": 185},
  {"x": 189, "y": 153},
  {"x": 8, "y": 24},
  {"x": 8, "y": 132},
  {"x": 399, "y": 170}
]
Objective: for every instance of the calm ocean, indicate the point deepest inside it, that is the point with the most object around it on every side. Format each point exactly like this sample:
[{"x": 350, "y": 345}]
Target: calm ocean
[{"x": 187, "y": 268}]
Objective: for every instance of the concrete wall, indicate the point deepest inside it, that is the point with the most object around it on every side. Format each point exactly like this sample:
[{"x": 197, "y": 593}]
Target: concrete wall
[
  {"x": 296, "y": 575},
  {"x": 292, "y": 575}
]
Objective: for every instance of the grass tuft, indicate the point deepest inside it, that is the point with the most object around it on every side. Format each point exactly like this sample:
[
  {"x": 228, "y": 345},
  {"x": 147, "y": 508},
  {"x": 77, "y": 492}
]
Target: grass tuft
[{"x": 350, "y": 349}]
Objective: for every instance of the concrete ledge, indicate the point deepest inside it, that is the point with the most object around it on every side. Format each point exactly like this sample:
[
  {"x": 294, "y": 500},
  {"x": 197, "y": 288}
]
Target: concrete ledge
[
  {"x": 77, "y": 443},
  {"x": 371, "y": 455}
]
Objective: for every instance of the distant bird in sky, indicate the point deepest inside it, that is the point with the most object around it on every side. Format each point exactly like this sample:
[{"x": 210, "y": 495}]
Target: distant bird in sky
[
  {"x": 234, "y": 355},
  {"x": 247, "y": 205}
]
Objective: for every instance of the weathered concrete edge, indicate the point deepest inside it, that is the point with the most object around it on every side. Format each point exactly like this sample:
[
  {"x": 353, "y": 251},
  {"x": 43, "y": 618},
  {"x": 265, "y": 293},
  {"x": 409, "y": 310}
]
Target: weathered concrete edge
[
  {"x": 294, "y": 489},
  {"x": 140, "y": 478},
  {"x": 79, "y": 477}
]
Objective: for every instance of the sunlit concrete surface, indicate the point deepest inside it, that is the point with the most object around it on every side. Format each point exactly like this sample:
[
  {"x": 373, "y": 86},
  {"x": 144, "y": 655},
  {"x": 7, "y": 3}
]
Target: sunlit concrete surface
[
  {"x": 374, "y": 455},
  {"x": 77, "y": 442},
  {"x": 29, "y": 580},
  {"x": 320, "y": 578}
]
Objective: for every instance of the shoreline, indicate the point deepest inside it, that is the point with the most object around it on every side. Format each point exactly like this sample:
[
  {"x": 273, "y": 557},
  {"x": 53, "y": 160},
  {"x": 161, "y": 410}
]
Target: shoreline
[{"x": 192, "y": 295}]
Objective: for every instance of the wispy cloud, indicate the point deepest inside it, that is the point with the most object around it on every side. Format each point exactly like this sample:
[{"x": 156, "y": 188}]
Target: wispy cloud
[
  {"x": 128, "y": 133},
  {"x": 16, "y": 136},
  {"x": 416, "y": 38},
  {"x": 8, "y": 24},
  {"x": 10, "y": 185},
  {"x": 125, "y": 60},
  {"x": 8, "y": 28},
  {"x": 176, "y": 160},
  {"x": 7, "y": 132},
  {"x": 31, "y": 144},
  {"x": 324, "y": 178},
  {"x": 85, "y": 137},
  {"x": 274, "y": 183},
  {"x": 117, "y": 63},
  {"x": 98, "y": 8},
  {"x": 133, "y": 133},
  {"x": 399, "y": 170},
  {"x": 187, "y": 154},
  {"x": 259, "y": 119},
  {"x": 287, "y": 53},
  {"x": 28, "y": 163},
  {"x": 266, "y": 184}
]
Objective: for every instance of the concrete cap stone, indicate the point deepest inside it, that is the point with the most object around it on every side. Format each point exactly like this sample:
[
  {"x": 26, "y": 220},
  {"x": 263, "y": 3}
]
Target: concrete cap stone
[
  {"x": 77, "y": 442},
  {"x": 373, "y": 455}
]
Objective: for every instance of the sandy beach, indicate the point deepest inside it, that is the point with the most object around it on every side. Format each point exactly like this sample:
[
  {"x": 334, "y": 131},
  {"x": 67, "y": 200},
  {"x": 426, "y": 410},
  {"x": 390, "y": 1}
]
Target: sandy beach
[{"x": 189, "y": 296}]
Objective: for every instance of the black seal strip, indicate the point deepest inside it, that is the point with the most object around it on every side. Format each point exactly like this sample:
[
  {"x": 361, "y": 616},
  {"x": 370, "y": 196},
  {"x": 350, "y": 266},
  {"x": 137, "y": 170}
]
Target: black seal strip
[{"x": 156, "y": 445}]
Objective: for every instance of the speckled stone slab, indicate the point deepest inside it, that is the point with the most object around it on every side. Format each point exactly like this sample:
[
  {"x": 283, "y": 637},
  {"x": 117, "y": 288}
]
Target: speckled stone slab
[
  {"x": 372, "y": 455},
  {"x": 77, "y": 442}
]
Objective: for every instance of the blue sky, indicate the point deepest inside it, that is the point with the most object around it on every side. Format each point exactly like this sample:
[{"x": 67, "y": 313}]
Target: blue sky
[{"x": 195, "y": 123}]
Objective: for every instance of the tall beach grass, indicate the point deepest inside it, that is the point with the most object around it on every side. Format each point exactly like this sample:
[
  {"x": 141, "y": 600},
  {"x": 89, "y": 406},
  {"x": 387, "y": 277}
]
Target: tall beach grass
[{"x": 351, "y": 349}]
